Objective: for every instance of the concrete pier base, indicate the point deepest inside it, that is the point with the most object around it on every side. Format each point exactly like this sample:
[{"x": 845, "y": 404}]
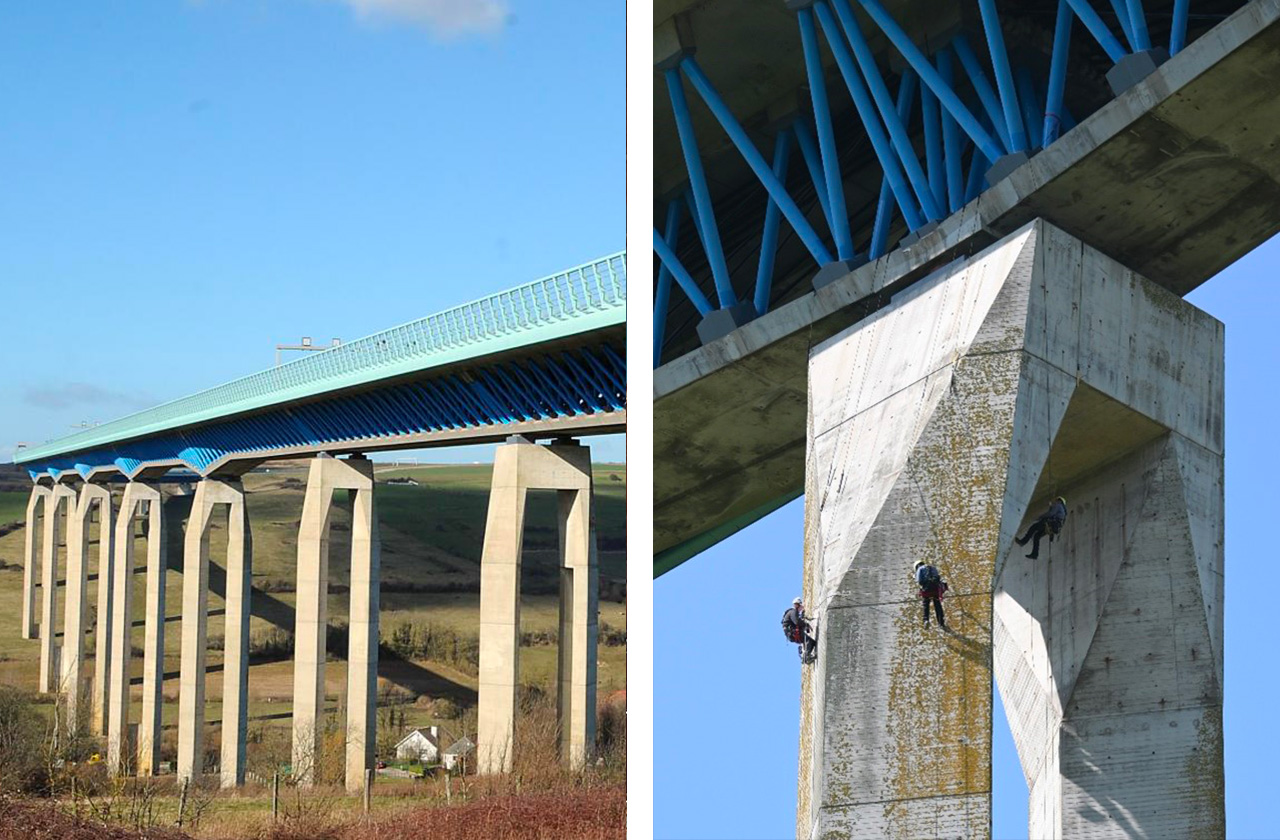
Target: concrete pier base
[
  {"x": 327, "y": 475},
  {"x": 59, "y": 509},
  {"x": 74, "y": 689},
  {"x": 209, "y": 494},
  {"x": 939, "y": 428},
  {"x": 518, "y": 467},
  {"x": 37, "y": 506},
  {"x": 137, "y": 494}
]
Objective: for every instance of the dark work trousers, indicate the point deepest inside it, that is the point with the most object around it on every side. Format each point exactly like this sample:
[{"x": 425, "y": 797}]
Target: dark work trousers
[
  {"x": 1034, "y": 533},
  {"x": 934, "y": 595}
]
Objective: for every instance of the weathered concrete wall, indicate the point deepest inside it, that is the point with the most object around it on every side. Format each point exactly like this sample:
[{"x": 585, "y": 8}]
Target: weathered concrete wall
[{"x": 1038, "y": 367}]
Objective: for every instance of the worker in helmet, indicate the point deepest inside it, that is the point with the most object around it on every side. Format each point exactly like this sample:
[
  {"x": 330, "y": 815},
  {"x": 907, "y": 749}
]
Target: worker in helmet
[
  {"x": 932, "y": 588},
  {"x": 1049, "y": 522},
  {"x": 799, "y": 629}
]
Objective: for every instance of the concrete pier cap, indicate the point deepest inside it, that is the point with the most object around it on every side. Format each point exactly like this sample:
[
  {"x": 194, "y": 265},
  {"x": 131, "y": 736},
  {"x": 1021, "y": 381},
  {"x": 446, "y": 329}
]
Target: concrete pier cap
[{"x": 1037, "y": 367}]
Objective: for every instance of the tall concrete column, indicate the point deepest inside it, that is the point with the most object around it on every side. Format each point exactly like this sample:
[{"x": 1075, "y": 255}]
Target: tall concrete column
[
  {"x": 579, "y": 607},
  {"x": 58, "y": 509},
  {"x": 518, "y": 467},
  {"x": 939, "y": 428},
  {"x": 327, "y": 475},
  {"x": 210, "y": 493},
  {"x": 149, "y": 724},
  {"x": 106, "y": 606},
  {"x": 235, "y": 656},
  {"x": 72, "y": 671},
  {"x": 136, "y": 494},
  {"x": 37, "y": 507},
  {"x": 500, "y": 611}
]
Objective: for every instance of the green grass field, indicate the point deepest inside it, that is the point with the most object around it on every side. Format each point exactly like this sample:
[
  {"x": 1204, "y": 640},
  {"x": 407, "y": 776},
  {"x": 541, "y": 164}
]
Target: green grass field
[{"x": 431, "y": 540}]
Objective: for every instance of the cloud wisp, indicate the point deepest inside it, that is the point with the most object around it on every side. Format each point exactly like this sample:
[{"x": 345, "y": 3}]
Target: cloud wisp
[
  {"x": 445, "y": 19},
  {"x": 75, "y": 394}
]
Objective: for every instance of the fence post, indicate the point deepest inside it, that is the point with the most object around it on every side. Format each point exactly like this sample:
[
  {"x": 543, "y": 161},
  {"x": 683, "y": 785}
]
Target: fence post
[{"x": 275, "y": 795}]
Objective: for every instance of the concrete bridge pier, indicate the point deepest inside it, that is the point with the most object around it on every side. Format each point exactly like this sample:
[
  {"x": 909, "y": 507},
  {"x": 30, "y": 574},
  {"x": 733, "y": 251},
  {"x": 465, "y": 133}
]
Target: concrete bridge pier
[
  {"x": 520, "y": 466},
  {"x": 92, "y": 496},
  {"x": 139, "y": 496},
  {"x": 105, "y": 606},
  {"x": 326, "y": 475},
  {"x": 209, "y": 494},
  {"x": 37, "y": 506},
  {"x": 939, "y": 428},
  {"x": 59, "y": 509}
]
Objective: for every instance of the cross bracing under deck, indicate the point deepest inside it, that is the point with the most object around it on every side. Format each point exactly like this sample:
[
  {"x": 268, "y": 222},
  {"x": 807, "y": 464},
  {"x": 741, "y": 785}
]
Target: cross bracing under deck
[
  {"x": 806, "y": 137},
  {"x": 544, "y": 358}
]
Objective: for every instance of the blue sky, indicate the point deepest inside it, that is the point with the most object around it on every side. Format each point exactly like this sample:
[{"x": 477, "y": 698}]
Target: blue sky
[
  {"x": 188, "y": 183},
  {"x": 727, "y": 687}
]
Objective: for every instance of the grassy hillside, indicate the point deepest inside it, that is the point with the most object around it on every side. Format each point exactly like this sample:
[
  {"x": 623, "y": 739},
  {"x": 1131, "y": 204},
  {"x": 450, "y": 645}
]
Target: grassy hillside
[{"x": 431, "y": 542}]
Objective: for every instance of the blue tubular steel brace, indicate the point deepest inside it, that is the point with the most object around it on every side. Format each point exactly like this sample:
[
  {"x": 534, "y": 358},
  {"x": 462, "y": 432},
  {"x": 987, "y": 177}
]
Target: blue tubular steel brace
[
  {"x": 872, "y": 125},
  {"x": 1004, "y": 76},
  {"x": 1114, "y": 49},
  {"x": 1057, "y": 73},
  {"x": 1031, "y": 113},
  {"x": 678, "y": 271},
  {"x": 662, "y": 297},
  {"x": 884, "y": 102},
  {"x": 982, "y": 87},
  {"x": 951, "y": 145},
  {"x": 933, "y": 146},
  {"x": 930, "y": 77},
  {"x": 693, "y": 214},
  {"x": 1126, "y": 26},
  {"x": 701, "y": 196},
  {"x": 884, "y": 206},
  {"x": 813, "y": 163},
  {"x": 756, "y": 161},
  {"x": 839, "y": 215},
  {"x": 1138, "y": 23},
  {"x": 1178, "y": 34},
  {"x": 769, "y": 239}
]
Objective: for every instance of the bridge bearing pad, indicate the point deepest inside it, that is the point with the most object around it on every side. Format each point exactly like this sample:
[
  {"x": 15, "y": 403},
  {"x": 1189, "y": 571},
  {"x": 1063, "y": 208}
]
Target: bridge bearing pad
[
  {"x": 833, "y": 271},
  {"x": 1135, "y": 67},
  {"x": 721, "y": 322}
]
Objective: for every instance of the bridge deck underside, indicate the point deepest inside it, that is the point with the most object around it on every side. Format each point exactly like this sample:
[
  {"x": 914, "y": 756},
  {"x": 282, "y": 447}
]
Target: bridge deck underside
[{"x": 1177, "y": 178}]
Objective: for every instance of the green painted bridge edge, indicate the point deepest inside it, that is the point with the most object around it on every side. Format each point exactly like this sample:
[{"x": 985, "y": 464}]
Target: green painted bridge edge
[
  {"x": 581, "y": 299},
  {"x": 665, "y": 561}
]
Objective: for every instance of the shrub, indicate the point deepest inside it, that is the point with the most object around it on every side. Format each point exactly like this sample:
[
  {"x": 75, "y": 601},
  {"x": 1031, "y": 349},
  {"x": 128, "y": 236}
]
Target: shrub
[{"x": 21, "y": 742}]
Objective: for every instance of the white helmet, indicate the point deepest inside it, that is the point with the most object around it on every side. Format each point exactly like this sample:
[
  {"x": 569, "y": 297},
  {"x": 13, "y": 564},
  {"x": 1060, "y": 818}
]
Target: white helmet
[
  {"x": 795, "y": 602},
  {"x": 917, "y": 565}
]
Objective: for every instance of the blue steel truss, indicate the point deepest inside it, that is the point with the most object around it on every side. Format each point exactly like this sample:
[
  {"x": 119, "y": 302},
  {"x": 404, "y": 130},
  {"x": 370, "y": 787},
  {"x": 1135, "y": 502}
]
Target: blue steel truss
[
  {"x": 578, "y": 300},
  {"x": 966, "y": 129},
  {"x": 569, "y": 383}
]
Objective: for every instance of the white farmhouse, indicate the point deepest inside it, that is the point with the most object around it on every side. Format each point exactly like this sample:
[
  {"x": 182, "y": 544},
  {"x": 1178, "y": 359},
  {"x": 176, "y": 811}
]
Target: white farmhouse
[{"x": 420, "y": 745}]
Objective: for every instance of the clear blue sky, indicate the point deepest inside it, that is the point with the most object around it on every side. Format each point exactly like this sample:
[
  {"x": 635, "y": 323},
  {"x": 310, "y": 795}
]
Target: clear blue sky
[
  {"x": 727, "y": 686},
  {"x": 187, "y": 183}
]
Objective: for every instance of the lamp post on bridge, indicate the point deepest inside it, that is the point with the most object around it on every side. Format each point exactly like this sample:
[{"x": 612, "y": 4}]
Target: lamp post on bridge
[{"x": 306, "y": 345}]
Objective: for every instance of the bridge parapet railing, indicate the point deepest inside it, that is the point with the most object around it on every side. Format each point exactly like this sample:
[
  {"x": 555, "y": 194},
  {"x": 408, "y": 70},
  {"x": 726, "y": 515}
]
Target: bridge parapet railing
[{"x": 592, "y": 288}]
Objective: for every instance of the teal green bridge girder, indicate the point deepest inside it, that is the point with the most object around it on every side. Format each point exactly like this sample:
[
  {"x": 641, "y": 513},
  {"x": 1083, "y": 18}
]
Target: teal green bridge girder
[{"x": 546, "y": 357}]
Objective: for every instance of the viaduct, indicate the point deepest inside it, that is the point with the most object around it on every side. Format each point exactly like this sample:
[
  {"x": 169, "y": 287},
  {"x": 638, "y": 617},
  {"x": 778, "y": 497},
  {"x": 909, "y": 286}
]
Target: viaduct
[
  {"x": 543, "y": 361},
  {"x": 923, "y": 263}
]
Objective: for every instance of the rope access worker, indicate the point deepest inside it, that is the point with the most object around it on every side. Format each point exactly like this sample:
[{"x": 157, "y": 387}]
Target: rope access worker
[
  {"x": 932, "y": 588},
  {"x": 1050, "y": 521},
  {"x": 798, "y": 628}
]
